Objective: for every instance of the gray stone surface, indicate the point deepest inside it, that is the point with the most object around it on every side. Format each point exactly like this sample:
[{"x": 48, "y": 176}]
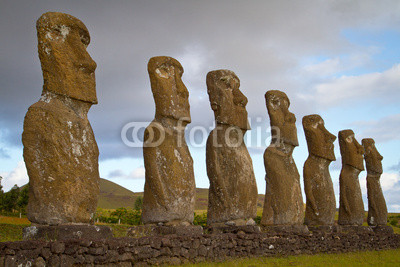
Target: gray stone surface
[{"x": 65, "y": 232}]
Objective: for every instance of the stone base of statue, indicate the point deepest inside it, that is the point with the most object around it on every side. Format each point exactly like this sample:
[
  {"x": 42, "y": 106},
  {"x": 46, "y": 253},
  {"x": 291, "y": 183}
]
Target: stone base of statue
[
  {"x": 382, "y": 229},
  {"x": 66, "y": 231},
  {"x": 160, "y": 230},
  {"x": 324, "y": 228},
  {"x": 356, "y": 229},
  {"x": 246, "y": 229},
  {"x": 285, "y": 229}
]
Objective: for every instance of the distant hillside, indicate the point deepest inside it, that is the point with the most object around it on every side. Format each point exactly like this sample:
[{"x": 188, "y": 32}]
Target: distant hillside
[{"x": 113, "y": 196}]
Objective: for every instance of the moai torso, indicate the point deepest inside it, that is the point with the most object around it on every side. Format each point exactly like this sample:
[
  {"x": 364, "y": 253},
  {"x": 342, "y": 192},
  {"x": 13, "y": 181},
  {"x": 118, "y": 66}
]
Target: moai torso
[
  {"x": 377, "y": 209},
  {"x": 233, "y": 189},
  {"x": 60, "y": 150},
  {"x": 318, "y": 186},
  {"x": 283, "y": 199},
  {"x": 351, "y": 208},
  {"x": 169, "y": 192}
]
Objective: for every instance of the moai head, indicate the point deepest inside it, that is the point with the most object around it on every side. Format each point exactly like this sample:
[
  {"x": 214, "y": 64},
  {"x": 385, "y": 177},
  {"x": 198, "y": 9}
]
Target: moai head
[
  {"x": 280, "y": 117},
  {"x": 67, "y": 67},
  {"x": 319, "y": 140},
  {"x": 373, "y": 160},
  {"x": 170, "y": 94},
  {"x": 351, "y": 151},
  {"x": 227, "y": 101}
]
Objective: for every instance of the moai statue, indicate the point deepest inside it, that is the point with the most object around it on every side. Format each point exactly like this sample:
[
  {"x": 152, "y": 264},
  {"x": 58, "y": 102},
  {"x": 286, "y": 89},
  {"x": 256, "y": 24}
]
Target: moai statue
[
  {"x": 283, "y": 200},
  {"x": 377, "y": 210},
  {"x": 233, "y": 190},
  {"x": 318, "y": 186},
  {"x": 351, "y": 208},
  {"x": 60, "y": 149},
  {"x": 169, "y": 191}
]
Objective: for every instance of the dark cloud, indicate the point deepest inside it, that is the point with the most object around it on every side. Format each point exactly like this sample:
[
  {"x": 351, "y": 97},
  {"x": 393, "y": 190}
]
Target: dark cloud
[{"x": 262, "y": 41}]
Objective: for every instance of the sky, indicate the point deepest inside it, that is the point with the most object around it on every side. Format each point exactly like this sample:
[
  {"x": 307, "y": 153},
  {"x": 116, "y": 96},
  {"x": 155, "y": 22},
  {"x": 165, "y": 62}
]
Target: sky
[{"x": 338, "y": 59}]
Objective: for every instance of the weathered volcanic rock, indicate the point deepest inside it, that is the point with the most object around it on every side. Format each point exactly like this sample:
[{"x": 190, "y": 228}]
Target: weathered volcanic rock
[
  {"x": 169, "y": 191},
  {"x": 318, "y": 186},
  {"x": 60, "y": 150},
  {"x": 283, "y": 200},
  {"x": 233, "y": 189},
  {"x": 351, "y": 209},
  {"x": 377, "y": 209}
]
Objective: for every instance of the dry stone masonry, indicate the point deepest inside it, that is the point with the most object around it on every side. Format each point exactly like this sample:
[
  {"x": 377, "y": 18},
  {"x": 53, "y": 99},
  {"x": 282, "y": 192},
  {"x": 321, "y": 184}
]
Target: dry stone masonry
[{"x": 173, "y": 249}]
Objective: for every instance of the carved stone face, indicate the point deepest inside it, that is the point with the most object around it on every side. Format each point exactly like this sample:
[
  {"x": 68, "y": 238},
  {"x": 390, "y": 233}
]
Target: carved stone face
[
  {"x": 170, "y": 94},
  {"x": 373, "y": 160},
  {"x": 227, "y": 101},
  {"x": 351, "y": 151},
  {"x": 67, "y": 67},
  {"x": 278, "y": 109},
  {"x": 319, "y": 140}
]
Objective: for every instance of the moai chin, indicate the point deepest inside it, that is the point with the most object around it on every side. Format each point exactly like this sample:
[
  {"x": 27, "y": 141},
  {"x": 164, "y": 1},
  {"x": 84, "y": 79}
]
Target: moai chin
[
  {"x": 233, "y": 189},
  {"x": 283, "y": 200},
  {"x": 377, "y": 209},
  {"x": 60, "y": 149},
  {"x": 318, "y": 186},
  {"x": 351, "y": 208},
  {"x": 169, "y": 191}
]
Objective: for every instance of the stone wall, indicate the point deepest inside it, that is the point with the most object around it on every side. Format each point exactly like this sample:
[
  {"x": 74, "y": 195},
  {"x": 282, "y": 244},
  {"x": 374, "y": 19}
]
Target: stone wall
[{"x": 173, "y": 249}]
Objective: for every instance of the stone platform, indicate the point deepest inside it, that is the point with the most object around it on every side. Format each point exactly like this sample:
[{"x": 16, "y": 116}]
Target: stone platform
[
  {"x": 156, "y": 230},
  {"x": 66, "y": 232},
  {"x": 285, "y": 229}
]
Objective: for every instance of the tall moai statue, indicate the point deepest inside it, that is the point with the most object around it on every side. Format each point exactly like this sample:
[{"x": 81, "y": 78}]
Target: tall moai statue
[
  {"x": 60, "y": 149},
  {"x": 233, "y": 190},
  {"x": 351, "y": 208},
  {"x": 318, "y": 186},
  {"x": 377, "y": 210},
  {"x": 169, "y": 191},
  {"x": 283, "y": 200}
]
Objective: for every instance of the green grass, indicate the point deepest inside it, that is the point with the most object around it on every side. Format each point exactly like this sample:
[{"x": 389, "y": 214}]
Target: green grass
[
  {"x": 365, "y": 258},
  {"x": 11, "y": 232}
]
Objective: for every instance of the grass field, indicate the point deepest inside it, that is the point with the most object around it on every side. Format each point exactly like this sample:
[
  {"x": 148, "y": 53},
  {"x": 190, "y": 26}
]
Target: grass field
[{"x": 365, "y": 258}]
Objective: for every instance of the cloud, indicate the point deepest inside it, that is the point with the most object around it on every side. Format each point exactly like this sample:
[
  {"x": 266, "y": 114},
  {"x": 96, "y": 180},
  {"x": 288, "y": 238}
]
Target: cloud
[
  {"x": 4, "y": 154},
  {"x": 395, "y": 167},
  {"x": 390, "y": 181},
  {"x": 18, "y": 176},
  {"x": 380, "y": 86},
  {"x": 137, "y": 173},
  {"x": 383, "y": 130}
]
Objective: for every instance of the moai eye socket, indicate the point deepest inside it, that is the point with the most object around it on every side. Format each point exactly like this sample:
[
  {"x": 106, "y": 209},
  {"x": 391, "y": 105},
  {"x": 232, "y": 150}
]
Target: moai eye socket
[{"x": 164, "y": 72}]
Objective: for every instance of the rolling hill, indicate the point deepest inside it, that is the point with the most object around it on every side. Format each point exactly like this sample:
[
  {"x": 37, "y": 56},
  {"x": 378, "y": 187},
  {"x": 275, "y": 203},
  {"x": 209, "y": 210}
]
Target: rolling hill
[{"x": 113, "y": 196}]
